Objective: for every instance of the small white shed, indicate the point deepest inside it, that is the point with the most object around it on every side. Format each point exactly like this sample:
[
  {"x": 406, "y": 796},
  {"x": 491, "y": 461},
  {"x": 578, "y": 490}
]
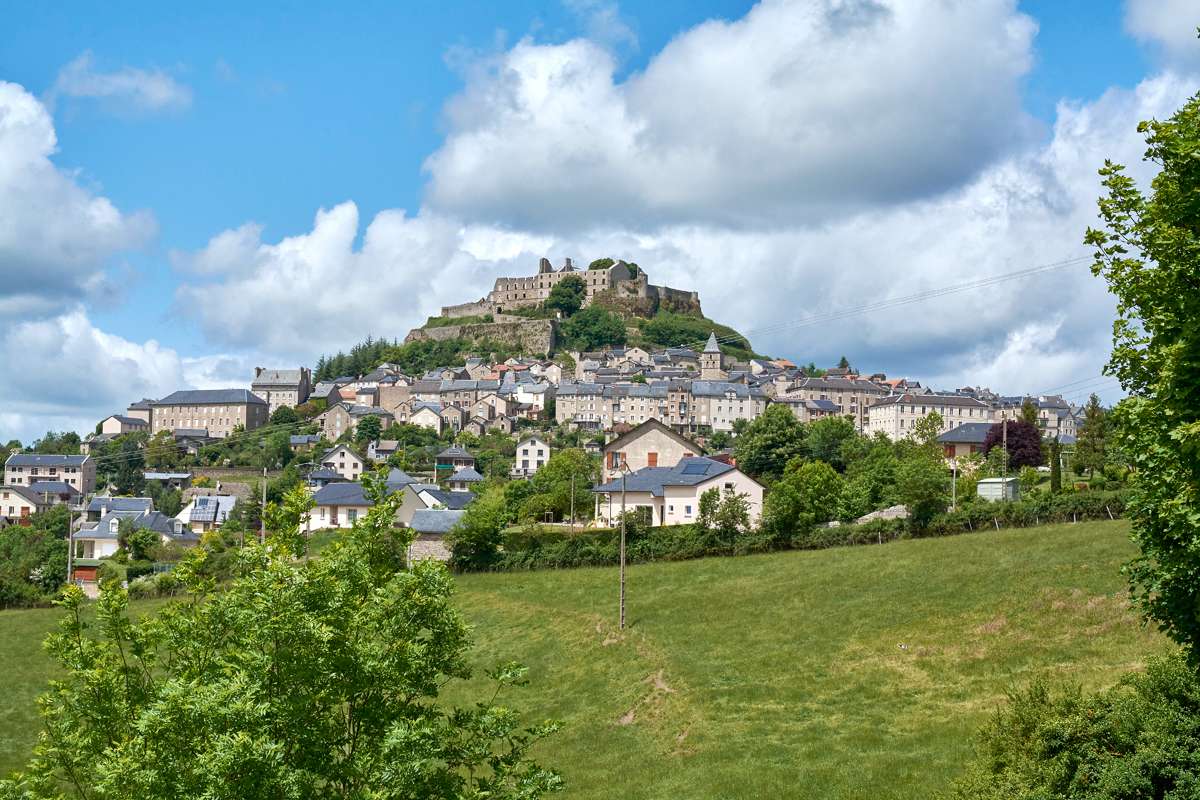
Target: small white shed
[{"x": 999, "y": 489}]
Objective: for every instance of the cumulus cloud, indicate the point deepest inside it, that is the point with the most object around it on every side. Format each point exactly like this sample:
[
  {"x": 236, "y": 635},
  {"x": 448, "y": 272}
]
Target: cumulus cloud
[
  {"x": 1169, "y": 25},
  {"x": 319, "y": 291},
  {"x": 798, "y": 112},
  {"x": 55, "y": 235},
  {"x": 73, "y": 374},
  {"x": 126, "y": 89},
  {"x": 603, "y": 21}
]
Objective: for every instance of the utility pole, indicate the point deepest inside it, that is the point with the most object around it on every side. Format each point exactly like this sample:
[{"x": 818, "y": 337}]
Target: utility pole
[
  {"x": 262, "y": 517},
  {"x": 572, "y": 502},
  {"x": 71, "y": 541},
  {"x": 954, "y": 484}
]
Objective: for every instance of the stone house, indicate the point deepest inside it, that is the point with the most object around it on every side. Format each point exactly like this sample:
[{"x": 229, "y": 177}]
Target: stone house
[
  {"x": 671, "y": 495},
  {"x": 430, "y": 526},
  {"x": 427, "y": 415},
  {"x": 650, "y": 444},
  {"x": 852, "y": 396},
  {"x": 26, "y": 469},
  {"x": 282, "y": 387},
  {"x": 119, "y": 424},
  {"x": 718, "y": 404},
  {"x": 896, "y": 415},
  {"x": 532, "y": 454},
  {"x": 345, "y": 462},
  {"x": 344, "y": 418},
  {"x": 217, "y": 411}
]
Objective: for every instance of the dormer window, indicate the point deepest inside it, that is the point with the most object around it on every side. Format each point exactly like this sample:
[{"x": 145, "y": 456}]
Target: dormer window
[{"x": 113, "y": 525}]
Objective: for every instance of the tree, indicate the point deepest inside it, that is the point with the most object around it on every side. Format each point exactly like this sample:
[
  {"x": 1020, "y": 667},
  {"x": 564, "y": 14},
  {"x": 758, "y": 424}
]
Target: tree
[
  {"x": 825, "y": 438},
  {"x": 769, "y": 443},
  {"x": 721, "y": 518},
  {"x": 284, "y": 415},
  {"x": 135, "y": 541},
  {"x": 1090, "y": 449},
  {"x": 368, "y": 429},
  {"x": 922, "y": 485},
  {"x": 567, "y": 295},
  {"x": 925, "y": 432},
  {"x": 33, "y": 558},
  {"x": 601, "y": 263},
  {"x": 843, "y": 363},
  {"x": 1024, "y": 443},
  {"x": 475, "y": 539},
  {"x": 128, "y": 478},
  {"x": 297, "y": 678},
  {"x": 1147, "y": 254},
  {"x": 1055, "y": 448},
  {"x": 552, "y": 483},
  {"x": 1029, "y": 411},
  {"x": 162, "y": 453},
  {"x": 592, "y": 328},
  {"x": 808, "y": 493}
]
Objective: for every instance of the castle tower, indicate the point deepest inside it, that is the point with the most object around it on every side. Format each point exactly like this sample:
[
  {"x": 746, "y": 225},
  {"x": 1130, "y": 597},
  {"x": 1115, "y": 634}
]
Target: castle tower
[
  {"x": 710, "y": 361},
  {"x": 544, "y": 267}
]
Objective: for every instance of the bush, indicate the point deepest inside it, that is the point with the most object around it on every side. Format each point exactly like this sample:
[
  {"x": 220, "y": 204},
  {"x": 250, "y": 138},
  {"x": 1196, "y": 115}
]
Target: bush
[
  {"x": 136, "y": 569},
  {"x": 1138, "y": 739}
]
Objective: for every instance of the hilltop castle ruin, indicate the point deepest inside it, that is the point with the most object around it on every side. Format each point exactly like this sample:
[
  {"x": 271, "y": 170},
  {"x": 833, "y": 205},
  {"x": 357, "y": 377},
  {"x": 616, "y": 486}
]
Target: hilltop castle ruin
[{"x": 622, "y": 284}]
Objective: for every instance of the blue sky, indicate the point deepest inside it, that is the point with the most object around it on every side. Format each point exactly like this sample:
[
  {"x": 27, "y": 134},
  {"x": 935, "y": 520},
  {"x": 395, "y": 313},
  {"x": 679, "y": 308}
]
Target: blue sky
[{"x": 270, "y": 115}]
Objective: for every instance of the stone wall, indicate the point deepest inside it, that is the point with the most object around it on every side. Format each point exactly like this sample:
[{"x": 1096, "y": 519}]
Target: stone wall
[
  {"x": 533, "y": 336},
  {"x": 476, "y": 309}
]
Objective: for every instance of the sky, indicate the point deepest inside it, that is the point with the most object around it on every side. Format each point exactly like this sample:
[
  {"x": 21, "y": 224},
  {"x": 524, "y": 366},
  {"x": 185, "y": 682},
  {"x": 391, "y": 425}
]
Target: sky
[{"x": 188, "y": 193}]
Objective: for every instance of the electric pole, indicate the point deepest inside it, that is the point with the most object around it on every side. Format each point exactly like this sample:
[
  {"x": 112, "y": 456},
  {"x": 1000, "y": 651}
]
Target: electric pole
[
  {"x": 262, "y": 517},
  {"x": 622, "y": 619}
]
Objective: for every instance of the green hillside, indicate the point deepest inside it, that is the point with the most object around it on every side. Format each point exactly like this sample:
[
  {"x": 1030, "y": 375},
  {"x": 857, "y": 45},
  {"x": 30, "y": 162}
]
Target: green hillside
[{"x": 848, "y": 673}]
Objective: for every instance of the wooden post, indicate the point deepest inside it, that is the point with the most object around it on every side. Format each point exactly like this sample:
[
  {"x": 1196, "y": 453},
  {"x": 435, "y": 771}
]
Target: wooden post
[
  {"x": 1110, "y": 514},
  {"x": 996, "y": 522}
]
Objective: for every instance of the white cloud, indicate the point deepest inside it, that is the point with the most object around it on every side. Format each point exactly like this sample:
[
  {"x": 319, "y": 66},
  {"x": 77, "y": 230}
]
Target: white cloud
[
  {"x": 73, "y": 374},
  {"x": 797, "y": 113},
  {"x": 1167, "y": 24},
  {"x": 126, "y": 89},
  {"x": 55, "y": 235},
  {"x": 318, "y": 292},
  {"x": 603, "y": 22}
]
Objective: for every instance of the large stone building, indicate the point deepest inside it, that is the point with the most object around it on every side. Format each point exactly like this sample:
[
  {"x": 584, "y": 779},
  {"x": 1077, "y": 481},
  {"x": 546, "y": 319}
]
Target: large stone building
[
  {"x": 217, "y": 411},
  {"x": 851, "y": 396},
  {"x": 897, "y": 415},
  {"x": 623, "y": 280},
  {"x": 27, "y": 469},
  {"x": 282, "y": 387}
]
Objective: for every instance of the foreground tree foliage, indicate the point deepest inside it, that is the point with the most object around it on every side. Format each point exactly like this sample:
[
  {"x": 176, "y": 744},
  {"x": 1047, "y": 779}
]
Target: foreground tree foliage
[
  {"x": 298, "y": 679},
  {"x": 1140, "y": 739},
  {"x": 1149, "y": 252}
]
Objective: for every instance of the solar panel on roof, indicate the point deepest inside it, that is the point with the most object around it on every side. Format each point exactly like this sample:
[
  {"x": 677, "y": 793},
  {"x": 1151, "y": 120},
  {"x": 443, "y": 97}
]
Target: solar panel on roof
[{"x": 695, "y": 469}]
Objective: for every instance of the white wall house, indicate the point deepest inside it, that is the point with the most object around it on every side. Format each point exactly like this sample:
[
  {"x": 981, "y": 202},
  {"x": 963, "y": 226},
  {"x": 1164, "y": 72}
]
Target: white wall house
[
  {"x": 532, "y": 455},
  {"x": 345, "y": 462},
  {"x": 671, "y": 495}
]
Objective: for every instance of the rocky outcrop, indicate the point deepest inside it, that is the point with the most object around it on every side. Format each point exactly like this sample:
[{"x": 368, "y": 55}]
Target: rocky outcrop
[{"x": 532, "y": 336}]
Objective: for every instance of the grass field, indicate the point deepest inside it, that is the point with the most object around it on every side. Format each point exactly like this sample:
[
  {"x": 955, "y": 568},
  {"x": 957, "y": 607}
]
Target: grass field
[{"x": 848, "y": 673}]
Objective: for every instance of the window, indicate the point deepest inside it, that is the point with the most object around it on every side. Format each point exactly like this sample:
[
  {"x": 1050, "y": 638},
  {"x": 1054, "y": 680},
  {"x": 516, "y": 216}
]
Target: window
[
  {"x": 687, "y": 511},
  {"x": 352, "y": 515}
]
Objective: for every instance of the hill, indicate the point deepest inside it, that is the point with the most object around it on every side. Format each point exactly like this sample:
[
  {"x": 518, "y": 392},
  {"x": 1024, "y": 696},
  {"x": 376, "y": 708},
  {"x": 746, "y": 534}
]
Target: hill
[{"x": 850, "y": 673}]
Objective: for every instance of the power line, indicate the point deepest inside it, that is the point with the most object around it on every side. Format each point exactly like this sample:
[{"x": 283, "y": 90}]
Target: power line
[{"x": 896, "y": 302}]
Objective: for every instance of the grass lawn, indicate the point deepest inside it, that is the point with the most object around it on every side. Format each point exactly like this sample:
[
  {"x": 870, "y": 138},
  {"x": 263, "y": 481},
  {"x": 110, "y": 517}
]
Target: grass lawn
[{"x": 848, "y": 673}]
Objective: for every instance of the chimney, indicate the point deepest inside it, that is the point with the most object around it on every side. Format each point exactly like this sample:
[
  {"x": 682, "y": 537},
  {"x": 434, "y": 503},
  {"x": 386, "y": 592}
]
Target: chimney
[
  {"x": 567, "y": 267},
  {"x": 544, "y": 266},
  {"x": 257, "y": 371}
]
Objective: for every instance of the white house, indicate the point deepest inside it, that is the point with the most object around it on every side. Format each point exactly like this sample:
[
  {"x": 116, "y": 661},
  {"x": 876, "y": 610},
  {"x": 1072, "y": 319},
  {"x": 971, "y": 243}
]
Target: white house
[
  {"x": 338, "y": 505},
  {"x": 345, "y": 462},
  {"x": 671, "y": 495},
  {"x": 532, "y": 455},
  {"x": 207, "y": 512}
]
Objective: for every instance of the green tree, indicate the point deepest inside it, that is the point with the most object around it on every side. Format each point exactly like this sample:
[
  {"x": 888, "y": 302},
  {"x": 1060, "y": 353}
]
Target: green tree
[
  {"x": 1147, "y": 252},
  {"x": 601, "y": 263},
  {"x": 553, "y": 482},
  {"x": 808, "y": 493},
  {"x": 33, "y": 558},
  {"x": 298, "y": 678},
  {"x": 128, "y": 477},
  {"x": 284, "y": 415},
  {"x": 475, "y": 540},
  {"x": 843, "y": 363},
  {"x": 162, "y": 453},
  {"x": 592, "y": 328},
  {"x": 134, "y": 540},
  {"x": 721, "y": 518},
  {"x": 925, "y": 432},
  {"x": 1055, "y": 448},
  {"x": 768, "y": 444},
  {"x": 1090, "y": 445},
  {"x": 368, "y": 429},
  {"x": 923, "y": 486},
  {"x": 825, "y": 438},
  {"x": 567, "y": 295},
  {"x": 1029, "y": 412}
]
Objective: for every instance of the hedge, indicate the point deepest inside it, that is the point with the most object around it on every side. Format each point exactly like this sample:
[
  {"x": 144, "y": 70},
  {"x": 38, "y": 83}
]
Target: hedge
[{"x": 538, "y": 547}]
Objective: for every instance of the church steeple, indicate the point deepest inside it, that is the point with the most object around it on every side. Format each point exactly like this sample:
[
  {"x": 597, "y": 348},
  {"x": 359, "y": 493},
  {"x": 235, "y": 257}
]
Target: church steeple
[{"x": 711, "y": 368}]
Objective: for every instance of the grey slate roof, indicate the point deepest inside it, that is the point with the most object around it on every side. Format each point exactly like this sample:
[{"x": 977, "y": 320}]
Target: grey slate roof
[
  {"x": 454, "y": 451},
  {"x": 303, "y": 439},
  {"x": 124, "y": 420},
  {"x": 211, "y": 397},
  {"x": 277, "y": 377},
  {"x": 967, "y": 433},
  {"x": 453, "y": 500},
  {"x": 688, "y": 472},
  {"x": 120, "y": 504},
  {"x": 909, "y": 399},
  {"x": 341, "y": 494},
  {"x": 711, "y": 345},
  {"x": 435, "y": 520},
  {"x": 43, "y": 460},
  {"x": 212, "y": 508},
  {"x": 142, "y": 405},
  {"x": 398, "y": 479},
  {"x": 466, "y": 475},
  {"x": 721, "y": 388},
  {"x": 53, "y": 487}
]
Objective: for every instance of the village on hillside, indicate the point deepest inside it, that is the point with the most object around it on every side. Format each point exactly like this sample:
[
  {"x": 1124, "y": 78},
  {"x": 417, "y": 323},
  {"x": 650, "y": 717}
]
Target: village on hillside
[{"x": 662, "y": 425}]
